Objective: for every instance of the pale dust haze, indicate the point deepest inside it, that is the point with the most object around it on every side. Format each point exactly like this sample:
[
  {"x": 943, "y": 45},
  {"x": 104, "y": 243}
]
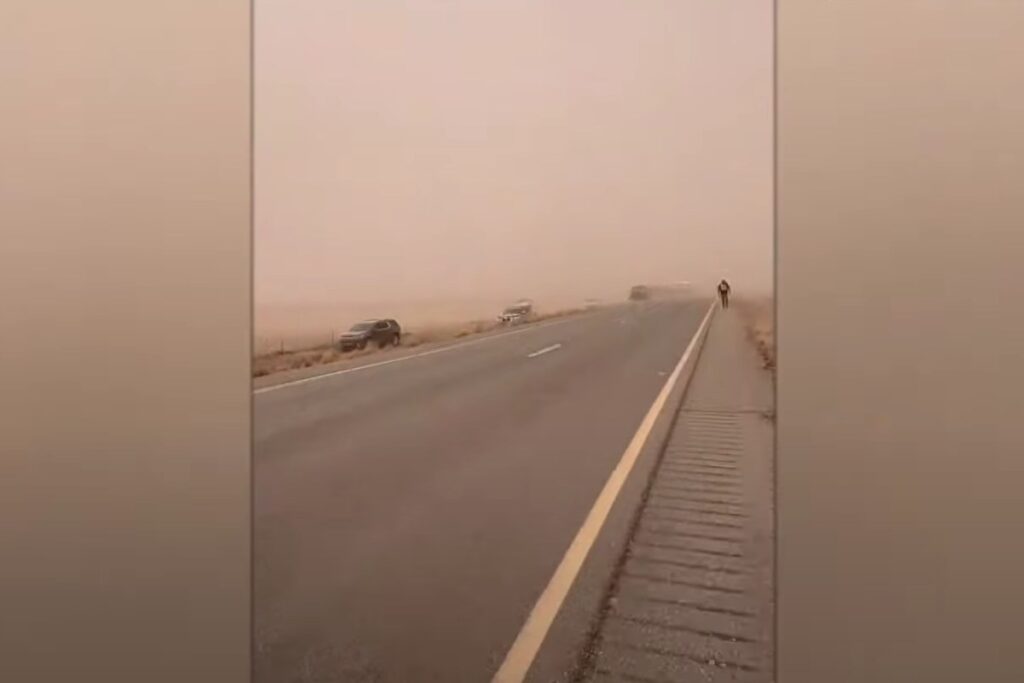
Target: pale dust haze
[{"x": 474, "y": 152}]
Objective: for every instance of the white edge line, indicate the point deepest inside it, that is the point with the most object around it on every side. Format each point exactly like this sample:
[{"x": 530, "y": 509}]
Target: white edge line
[
  {"x": 378, "y": 364},
  {"x": 546, "y": 349},
  {"x": 520, "y": 657}
]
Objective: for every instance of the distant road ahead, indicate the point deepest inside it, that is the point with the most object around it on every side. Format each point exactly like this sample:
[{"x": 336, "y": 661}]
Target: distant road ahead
[{"x": 408, "y": 515}]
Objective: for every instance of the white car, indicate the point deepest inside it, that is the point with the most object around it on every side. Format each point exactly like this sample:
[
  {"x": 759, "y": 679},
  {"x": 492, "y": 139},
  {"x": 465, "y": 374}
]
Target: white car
[{"x": 516, "y": 313}]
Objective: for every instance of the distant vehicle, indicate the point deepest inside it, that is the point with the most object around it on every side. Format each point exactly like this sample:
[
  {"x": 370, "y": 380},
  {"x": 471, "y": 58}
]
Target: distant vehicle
[
  {"x": 518, "y": 312},
  {"x": 640, "y": 293},
  {"x": 382, "y": 332},
  {"x": 591, "y": 304}
]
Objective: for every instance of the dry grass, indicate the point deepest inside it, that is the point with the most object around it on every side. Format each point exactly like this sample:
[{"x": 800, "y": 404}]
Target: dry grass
[
  {"x": 270, "y": 363},
  {"x": 758, "y": 314},
  {"x": 430, "y": 334},
  {"x": 561, "y": 313}
]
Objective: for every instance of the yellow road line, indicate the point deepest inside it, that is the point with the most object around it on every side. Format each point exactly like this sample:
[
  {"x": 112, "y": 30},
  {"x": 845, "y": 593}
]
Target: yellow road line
[{"x": 520, "y": 657}]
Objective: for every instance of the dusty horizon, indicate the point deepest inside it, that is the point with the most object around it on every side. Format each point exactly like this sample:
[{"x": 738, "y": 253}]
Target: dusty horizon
[{"x": 411, "y": 152}]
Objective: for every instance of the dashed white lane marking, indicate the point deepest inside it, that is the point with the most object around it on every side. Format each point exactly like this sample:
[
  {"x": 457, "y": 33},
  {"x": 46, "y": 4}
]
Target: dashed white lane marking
[{"x": 546, "y": 349}]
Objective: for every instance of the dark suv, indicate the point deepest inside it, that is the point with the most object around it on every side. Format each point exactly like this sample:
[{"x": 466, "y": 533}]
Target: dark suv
[{"x": 382, "y": 332}]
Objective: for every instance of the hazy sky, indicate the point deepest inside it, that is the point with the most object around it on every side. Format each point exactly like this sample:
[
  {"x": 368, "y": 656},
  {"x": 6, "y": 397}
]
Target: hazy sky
[{"x": 437, "y": 148}]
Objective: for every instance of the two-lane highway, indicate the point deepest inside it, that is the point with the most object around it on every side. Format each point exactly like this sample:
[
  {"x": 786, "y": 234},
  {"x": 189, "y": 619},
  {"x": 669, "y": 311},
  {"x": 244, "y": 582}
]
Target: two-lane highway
[{"x": 408, "y": 515}]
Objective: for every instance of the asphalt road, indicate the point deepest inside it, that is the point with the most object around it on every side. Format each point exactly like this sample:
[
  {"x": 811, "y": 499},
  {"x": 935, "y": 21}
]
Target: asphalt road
[{"x": 408, "y": 516}]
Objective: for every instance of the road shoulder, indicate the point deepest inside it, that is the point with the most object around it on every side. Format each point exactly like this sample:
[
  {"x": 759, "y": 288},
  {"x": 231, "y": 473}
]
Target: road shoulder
[{"x": 681, "y": 579}]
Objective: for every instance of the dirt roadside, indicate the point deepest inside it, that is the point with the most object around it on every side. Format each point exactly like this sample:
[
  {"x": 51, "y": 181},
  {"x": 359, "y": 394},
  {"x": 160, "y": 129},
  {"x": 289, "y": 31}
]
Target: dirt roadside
[
  {"x": 264, "y": 365},
  {"x": 758, "y": 315}
]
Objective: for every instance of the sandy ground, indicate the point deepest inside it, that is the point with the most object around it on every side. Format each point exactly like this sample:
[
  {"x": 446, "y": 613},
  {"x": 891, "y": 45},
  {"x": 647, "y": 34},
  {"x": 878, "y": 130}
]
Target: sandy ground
[{"x": 758, "y": 314}]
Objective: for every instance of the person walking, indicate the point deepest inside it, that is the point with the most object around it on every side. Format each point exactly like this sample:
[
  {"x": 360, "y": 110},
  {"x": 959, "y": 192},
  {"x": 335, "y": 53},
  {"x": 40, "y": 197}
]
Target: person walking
[{"x": 723, "y": 293}]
